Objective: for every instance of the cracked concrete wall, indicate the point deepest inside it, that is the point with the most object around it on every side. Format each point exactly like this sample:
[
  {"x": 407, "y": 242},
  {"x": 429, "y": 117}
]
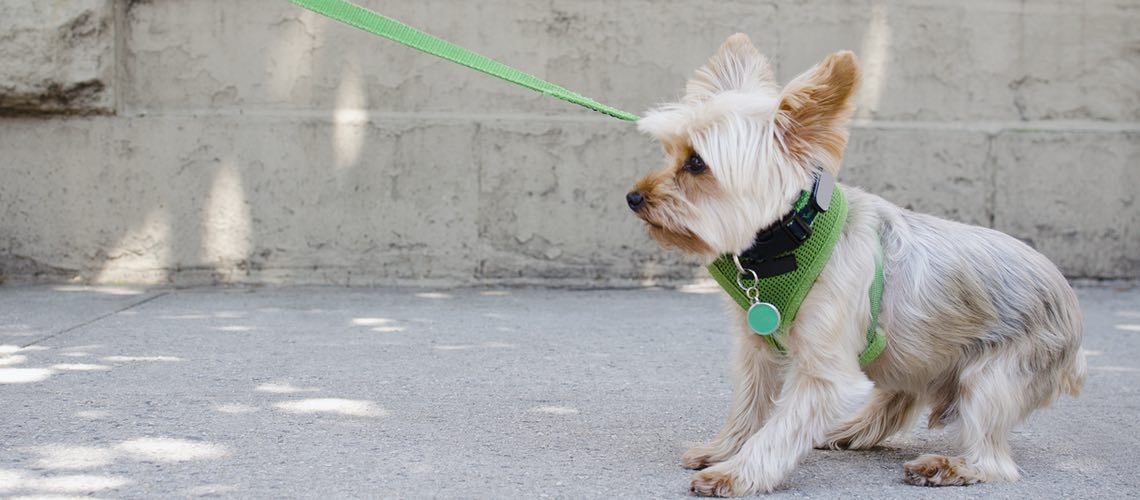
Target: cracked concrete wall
[
  {"x": 256, "y": 142},
  {"x": 58, "y": 57}
]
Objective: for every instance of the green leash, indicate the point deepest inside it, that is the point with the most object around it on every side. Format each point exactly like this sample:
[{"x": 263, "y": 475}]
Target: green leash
[
  {"x": 786, "y": 292},
  {"x": 355, "y": 15}
]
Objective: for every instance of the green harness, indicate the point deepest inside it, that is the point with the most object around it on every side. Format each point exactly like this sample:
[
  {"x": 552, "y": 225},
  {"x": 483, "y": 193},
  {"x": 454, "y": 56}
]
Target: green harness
[{"x": 785, "y": 291}]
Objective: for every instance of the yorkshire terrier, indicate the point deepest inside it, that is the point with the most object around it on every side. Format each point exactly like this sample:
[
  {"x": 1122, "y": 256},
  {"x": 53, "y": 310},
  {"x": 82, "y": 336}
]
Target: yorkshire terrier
[{"x": 979, "y": 327}]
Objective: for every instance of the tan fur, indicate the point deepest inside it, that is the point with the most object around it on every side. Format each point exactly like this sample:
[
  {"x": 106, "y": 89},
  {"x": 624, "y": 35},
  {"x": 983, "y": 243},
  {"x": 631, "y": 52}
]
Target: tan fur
[
  {"x": 814, "y": 108},
  {"x": 713, "y": 484},
  {"x": 759, "y": 371},
  {"x": 936, "y": 470},
  {"x": 979, "y": 327},
  {"x": 888, "y": 413},
  {"x": 663, "y": 213}
]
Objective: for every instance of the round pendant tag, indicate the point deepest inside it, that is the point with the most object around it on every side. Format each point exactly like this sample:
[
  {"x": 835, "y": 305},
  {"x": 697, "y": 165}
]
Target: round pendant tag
[{"x": 763, "y": 318}]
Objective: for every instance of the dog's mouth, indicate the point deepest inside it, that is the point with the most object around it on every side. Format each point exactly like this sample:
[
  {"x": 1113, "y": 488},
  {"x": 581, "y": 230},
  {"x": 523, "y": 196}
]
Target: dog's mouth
[
  {"x": 650, "y": 223},
  {"x": 653, "y": 225},
  {"x": 664, "y": 219},
  {"x": 681, "y": 239}
]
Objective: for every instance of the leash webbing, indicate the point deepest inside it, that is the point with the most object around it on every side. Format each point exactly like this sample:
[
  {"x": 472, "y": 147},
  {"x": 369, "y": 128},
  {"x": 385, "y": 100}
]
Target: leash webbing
[{"x": 372, "y": 22}]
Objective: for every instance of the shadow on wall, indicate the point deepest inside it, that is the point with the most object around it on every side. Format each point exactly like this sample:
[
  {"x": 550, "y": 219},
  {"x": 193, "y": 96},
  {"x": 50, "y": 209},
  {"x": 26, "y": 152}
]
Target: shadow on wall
[
  {"x": 210, "y": 203},
  {"x": 197, "y": 222}
]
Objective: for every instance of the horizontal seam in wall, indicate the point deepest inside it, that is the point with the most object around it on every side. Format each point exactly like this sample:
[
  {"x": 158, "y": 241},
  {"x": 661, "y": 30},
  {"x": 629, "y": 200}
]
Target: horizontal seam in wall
[{"x": 376, "y": 116}]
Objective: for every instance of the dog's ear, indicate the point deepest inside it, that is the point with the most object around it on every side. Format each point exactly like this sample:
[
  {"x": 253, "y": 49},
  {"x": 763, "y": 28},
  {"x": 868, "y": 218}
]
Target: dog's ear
[
  {"x": 815, "y": 107},
  {"x": 737, "y": 65}
]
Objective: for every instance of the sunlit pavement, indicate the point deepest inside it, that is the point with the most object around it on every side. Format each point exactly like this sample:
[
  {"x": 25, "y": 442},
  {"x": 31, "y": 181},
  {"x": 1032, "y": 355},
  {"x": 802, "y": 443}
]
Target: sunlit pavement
[{"x": 333, "y": 392}]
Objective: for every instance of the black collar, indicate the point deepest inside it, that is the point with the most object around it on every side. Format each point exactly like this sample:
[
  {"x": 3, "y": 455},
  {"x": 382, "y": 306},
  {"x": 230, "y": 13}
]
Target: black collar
[{"x": 771, "y": 250}]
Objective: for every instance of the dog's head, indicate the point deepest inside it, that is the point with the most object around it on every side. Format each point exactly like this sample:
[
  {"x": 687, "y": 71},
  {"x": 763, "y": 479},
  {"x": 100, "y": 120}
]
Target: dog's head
[{"x": 740, "y": 149}]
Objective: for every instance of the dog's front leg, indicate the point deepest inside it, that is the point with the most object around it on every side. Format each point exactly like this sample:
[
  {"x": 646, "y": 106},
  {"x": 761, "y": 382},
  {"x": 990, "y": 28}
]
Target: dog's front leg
[
  {"x": 757, "y": 372},
  {"x": 809, "y": 406},
  {"x": 822, "y": 385}
]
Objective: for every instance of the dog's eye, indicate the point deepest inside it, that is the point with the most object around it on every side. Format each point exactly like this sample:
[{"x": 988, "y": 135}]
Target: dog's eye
[{"x": 695, "y": 165}]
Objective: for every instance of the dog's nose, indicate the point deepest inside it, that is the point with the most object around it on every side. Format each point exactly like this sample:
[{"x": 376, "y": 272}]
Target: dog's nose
[{"x": 635, "y": 200}]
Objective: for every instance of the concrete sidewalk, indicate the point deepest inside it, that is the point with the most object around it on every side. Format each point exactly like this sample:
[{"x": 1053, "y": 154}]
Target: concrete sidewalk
[{"x": 332, "y": 392}]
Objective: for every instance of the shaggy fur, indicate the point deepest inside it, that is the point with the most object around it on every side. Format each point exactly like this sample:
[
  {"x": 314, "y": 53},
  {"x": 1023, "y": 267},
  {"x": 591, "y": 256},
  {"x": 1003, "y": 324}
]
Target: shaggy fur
[{"x": 980, "y": 327}]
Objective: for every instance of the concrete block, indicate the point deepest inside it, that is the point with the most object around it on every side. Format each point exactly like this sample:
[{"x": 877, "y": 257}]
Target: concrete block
[
  {"x": 1073, "y": 197},
  {"x": 274, "y": 55},
  {"x": 58, "y": 56},
  {"x": 939, "y": 60},
  {"x": 552, "y": 204},
  {"x": 267, "y": 198},
  {"x": 232, "y": 199},
  {"x": 975, "y": 60},
  {"x": 941, "y": 172},
  {"x": 193, "y": 200}
]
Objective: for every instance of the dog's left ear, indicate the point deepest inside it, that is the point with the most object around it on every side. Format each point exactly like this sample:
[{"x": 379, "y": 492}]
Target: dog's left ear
[
  {"x": 737, "y": 65},
  {"x": 815, "y": 107}
]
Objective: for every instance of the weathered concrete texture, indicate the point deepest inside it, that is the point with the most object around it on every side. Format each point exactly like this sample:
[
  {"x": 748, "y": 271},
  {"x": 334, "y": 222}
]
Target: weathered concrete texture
[
  {"x": 233, "y": 199},
  {"x": 942, "y": 172},
  {"x": 625, "y": 53},
  {"x": 240, "y": 199},
  {"x": 977, "y": 59},
  {"x": 558, "y": 207},
  {"x": 257, "y": 142},
  {"x": 194, "y": 196},
  {"x": 1073, "y": 196},
  {"x": 940, "y": 60},
  {"x": 58, "y": 57},
  {"x": 477, "y": 393}
]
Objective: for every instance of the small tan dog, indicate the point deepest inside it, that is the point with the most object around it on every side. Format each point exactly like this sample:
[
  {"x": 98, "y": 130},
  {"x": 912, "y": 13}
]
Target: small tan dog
[{"x": 979, "y": 327}]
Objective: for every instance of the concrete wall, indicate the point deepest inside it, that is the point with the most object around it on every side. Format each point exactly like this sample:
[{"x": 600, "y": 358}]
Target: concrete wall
[{"x": 213, "y": 140}]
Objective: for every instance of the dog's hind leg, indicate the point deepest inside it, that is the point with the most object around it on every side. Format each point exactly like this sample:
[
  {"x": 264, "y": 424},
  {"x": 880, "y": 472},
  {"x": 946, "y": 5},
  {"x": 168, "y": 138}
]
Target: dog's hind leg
[
  {"x": 757, "y": 375},
  {"x": 886, "y": 414},
  {"x": 995, "y": 394}
]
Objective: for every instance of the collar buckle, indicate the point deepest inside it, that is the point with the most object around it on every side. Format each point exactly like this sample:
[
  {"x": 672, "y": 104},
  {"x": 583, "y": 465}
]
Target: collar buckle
[
  {"x": 798, "y": 227},
  {"x": 770, "y": 253},
  {"x": 779, "y": 238}
]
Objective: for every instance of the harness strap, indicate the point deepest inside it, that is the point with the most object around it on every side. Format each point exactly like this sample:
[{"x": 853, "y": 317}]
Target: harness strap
[
  {"x": 876, "y": 341},
  {"x": 377, "y": 24}
]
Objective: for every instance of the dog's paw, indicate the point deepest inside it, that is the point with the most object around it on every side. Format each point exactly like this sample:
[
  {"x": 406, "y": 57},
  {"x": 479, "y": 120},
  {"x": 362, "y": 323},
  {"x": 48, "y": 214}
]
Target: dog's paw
[
  {"x": 699, "y": 457},
  {"x": 713, "y": 483},
  {"x": 937, "y": 470}
]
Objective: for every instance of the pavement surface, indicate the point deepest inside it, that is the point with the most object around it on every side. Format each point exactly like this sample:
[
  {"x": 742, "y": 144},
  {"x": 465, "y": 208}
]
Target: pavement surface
[{"x": 334, "y": 393}]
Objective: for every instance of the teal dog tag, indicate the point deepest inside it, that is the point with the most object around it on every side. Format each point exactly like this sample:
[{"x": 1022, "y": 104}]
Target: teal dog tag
[{"x": 763, "y": 318}]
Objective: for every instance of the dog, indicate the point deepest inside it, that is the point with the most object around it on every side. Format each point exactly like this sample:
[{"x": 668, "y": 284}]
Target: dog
[{"x": 979, "y": 327}]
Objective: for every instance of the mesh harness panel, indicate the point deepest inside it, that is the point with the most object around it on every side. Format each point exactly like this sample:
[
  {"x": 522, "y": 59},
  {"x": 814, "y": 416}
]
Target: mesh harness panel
[{"x": 787, "y": 291}]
